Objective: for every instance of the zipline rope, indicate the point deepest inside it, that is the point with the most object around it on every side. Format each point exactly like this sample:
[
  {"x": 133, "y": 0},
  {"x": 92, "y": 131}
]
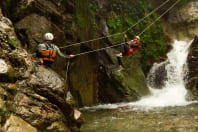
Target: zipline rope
[
  {"x": 159, "y": 17},
  {"x": 108, "y": 47},
  {"x": 121, "y": 32}
]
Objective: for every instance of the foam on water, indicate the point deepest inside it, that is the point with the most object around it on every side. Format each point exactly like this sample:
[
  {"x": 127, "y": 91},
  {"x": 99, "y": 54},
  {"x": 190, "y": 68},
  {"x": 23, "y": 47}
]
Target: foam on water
[{"x": 173, "y": 93}]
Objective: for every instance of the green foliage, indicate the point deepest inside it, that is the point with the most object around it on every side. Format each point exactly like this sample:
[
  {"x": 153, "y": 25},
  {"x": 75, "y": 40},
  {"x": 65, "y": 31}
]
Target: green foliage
[
  {"x": 152, "y": 40},
  {"x": 12, "y": 43},
  {"x": 80, "y": 15},
  {"x": 85, "y": 16},
  {"x": 115, "y": 23},
  {"x": 121, "y": 16}
]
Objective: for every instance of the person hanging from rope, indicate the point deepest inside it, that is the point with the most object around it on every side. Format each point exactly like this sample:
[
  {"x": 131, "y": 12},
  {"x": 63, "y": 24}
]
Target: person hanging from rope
[
  {"x": 47, "y": 51},
  {"x": 135, "y": 44},
  {"x": 128, "y": 49}
]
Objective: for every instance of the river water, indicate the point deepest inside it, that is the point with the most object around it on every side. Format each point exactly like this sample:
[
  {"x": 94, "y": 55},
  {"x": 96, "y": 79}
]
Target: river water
[{"x": 165, "y": 110}]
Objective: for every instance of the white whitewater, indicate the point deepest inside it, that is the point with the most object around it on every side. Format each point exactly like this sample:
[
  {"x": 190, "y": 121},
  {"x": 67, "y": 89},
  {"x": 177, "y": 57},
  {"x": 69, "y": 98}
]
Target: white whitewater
[{"x": 173, "y": 92}]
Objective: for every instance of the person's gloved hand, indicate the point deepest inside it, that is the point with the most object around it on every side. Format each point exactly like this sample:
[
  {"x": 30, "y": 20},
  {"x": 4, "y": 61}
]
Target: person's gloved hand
[
  {"x": 71, "y": 56},
  {"x": 125, "y": 36}
]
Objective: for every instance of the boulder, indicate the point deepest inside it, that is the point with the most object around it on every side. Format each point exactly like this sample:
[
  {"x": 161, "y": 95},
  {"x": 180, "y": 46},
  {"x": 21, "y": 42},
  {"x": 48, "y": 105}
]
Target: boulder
[
  {"x": 50, "y": 85},
  {"x": 16, "y": 124},
  {"x": 46, "y": 80}
]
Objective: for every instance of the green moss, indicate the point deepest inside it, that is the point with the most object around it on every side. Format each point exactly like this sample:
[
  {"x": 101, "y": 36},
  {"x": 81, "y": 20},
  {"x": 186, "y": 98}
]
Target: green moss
[
  {"x": 82, "y": 13},
  {"x": 115, "y": 24},
  {"x": 86, "y": 19},
  {"x": 7, "y": 29},
  {"x": 12, "y": 43}
]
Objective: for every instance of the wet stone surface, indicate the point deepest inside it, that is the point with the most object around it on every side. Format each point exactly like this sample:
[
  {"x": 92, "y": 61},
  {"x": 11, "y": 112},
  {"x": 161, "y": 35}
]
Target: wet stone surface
[{"x": 170, "y": 119}]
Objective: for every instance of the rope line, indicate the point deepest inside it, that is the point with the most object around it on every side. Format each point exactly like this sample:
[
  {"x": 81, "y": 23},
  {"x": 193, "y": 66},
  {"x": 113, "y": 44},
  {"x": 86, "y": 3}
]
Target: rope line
[
  {"x": 66, "y": 74},
  {"x": 108, "y": 47},
  {"x": 159, "y": 17},
  {"x": 117, "y": 34}
]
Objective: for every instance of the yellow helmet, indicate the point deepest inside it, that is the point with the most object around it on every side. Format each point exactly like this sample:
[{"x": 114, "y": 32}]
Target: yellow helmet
[{"x": 137, "y": 37}]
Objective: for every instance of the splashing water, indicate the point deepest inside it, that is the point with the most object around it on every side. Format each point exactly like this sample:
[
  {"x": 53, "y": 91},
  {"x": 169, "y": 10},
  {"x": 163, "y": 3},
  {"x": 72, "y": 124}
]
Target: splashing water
[{"x": 173, "y": 91}]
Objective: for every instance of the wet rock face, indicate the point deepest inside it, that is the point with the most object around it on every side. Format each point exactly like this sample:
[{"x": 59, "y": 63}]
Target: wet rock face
[
  {"x": 48, "y": 79},
  {"x": 192, "y": 84},
  {"x": 193, "y": 58},
  {"x": 186, "y": 17},
  {"x": 157, "y": 77},
  {"x": 31, "y": 98},
  {"x": 71, "y": 22}
]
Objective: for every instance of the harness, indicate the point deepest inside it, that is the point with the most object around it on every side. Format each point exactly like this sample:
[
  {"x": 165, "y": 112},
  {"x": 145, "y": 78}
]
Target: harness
[
  {"x": 135, "y": 42},
  {"x": 49, "y": 54},
  {"x": 136, "y": 45}
]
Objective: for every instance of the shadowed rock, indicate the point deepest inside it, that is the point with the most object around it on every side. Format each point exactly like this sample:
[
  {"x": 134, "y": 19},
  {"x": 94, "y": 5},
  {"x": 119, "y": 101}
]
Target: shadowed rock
[{"x": 192, "y": 81}]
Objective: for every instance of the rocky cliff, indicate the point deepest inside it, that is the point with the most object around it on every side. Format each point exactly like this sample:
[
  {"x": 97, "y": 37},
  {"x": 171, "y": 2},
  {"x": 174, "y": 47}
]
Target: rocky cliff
[
  {"x": 36, "y": 98},
  {"x": 181, "y": 22},
  {"x": 93, "y": 78},
  {"x": 32, "y": 98}
]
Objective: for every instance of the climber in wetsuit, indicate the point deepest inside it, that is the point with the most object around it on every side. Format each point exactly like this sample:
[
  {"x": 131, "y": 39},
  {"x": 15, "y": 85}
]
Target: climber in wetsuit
[
  {"x": 47, "y": 51},
  {"x": 128, "y": 49}
]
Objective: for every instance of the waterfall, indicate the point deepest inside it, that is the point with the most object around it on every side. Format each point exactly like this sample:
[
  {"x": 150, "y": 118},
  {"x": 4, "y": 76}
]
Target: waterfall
[
  {"x": 165, "y": 81},
  {"x": 172, "y": 91}
]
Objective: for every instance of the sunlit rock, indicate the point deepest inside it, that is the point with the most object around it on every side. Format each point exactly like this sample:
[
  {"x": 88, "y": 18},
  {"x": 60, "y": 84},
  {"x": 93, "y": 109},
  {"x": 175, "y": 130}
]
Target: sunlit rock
[
  {"x": 3, "y": 67},
  {"x": 77, "y": 114},
  {"x": 16, "y": 124}
]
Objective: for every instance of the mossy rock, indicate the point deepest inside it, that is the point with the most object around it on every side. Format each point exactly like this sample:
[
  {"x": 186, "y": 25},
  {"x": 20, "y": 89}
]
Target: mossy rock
[
  {"x": 132, "y": 77},
  {"x": 12, "y": 43},
  {"x": 17, "y": 61}
]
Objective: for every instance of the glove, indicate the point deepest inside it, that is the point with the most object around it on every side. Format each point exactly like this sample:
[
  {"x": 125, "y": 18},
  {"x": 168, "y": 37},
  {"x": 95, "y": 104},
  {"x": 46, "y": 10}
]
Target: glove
[{"x": 71, "y": 56}]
